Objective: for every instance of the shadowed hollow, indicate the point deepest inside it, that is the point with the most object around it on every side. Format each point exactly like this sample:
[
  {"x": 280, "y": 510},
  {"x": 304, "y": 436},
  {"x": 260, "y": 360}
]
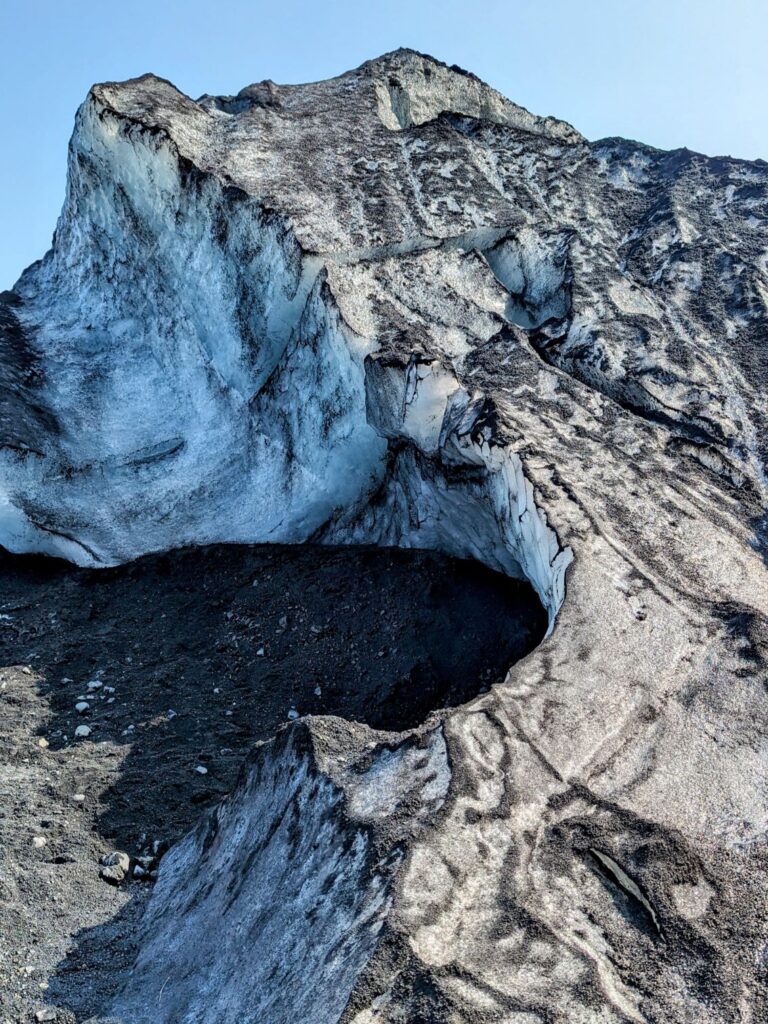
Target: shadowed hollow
[{"x": 209, "y": 650}]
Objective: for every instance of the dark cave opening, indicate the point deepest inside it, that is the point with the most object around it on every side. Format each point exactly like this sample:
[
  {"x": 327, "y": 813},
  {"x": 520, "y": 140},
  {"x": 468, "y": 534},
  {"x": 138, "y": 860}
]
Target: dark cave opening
[{"x": 202, "y": 652}]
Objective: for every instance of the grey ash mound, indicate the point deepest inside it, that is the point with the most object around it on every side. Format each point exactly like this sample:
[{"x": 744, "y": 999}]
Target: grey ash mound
[{"x": 396, "y": 309}]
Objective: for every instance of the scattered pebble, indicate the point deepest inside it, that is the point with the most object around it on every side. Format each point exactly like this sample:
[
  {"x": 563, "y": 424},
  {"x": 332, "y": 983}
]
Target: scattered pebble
[
  {"x": 293, "y": 714},
  {"x": 46, "y": 1014},
  {"x": 201, "y": 770},
  {"x": 39, "y": 842},
  {"x": 171, "y": 714},
  {"x": 95, "y": 684},
  {"x": 318, "y": 691},
  {"x": 82, "y": 731},
  {"x": 82, "y": 706},
  {"x": 260, "y": 652},
  {"x": 43, "y": 743},
  {"x": 79, "y": 798}
]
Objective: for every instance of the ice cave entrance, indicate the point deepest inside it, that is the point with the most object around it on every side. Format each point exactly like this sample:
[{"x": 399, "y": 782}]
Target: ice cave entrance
[{"x": 211, "y": 649}]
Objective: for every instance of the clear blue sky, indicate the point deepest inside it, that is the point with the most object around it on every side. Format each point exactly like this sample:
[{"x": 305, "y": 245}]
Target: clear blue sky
[{"x": 668, "y": 72}]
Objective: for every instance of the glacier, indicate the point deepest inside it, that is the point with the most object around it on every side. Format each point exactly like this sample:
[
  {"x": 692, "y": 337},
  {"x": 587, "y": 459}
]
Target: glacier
[{"x": 397, "y": 308}]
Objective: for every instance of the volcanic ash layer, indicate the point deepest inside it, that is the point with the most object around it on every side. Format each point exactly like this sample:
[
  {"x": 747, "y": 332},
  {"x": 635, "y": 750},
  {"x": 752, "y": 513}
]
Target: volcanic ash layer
[{"x": 395, "y": 308}]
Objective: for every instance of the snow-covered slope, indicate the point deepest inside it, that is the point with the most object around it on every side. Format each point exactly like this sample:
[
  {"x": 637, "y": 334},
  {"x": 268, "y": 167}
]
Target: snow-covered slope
[{"x": 396, "y": 307}]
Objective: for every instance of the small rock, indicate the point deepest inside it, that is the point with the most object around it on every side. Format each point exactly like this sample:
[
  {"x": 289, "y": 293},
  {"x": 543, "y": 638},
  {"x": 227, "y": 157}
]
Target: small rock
[
  {"x": 39, "y": 842},
  {"x": 113, "y": 875},
  {"x": 95, "y": 684},
  {"x": 79, "y": 798},
  {"x": 82, "y": 731},
  {"x": 82, "y": 706},
  {"x": 46, "y": 1014},
  {"x": 293, "y": 714},
  {"x": 43, "y": 743},
  {"x": 138, "y": 871},
  {"x": 318, "y": 691},
  {"x": 283, "y": 621},
  {"x": 116, "y": 859},
  {"x": 171, "y": 714},
  {"x": 201, "y": 770},
  {"x": 260, "y": 652},
  {"x": 26, "y": 670},
  {"x": 115, "y": 867},
  {"x": 315, "y": 630},
  {"x": 109, "y": 689}
]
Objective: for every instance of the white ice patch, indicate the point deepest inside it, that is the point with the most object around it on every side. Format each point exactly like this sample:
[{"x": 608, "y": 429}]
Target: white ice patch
[{"x": 532, "y": 269}]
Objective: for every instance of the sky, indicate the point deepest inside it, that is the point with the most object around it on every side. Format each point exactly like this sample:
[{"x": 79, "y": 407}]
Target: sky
[{"x": 666, "y": 72}]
